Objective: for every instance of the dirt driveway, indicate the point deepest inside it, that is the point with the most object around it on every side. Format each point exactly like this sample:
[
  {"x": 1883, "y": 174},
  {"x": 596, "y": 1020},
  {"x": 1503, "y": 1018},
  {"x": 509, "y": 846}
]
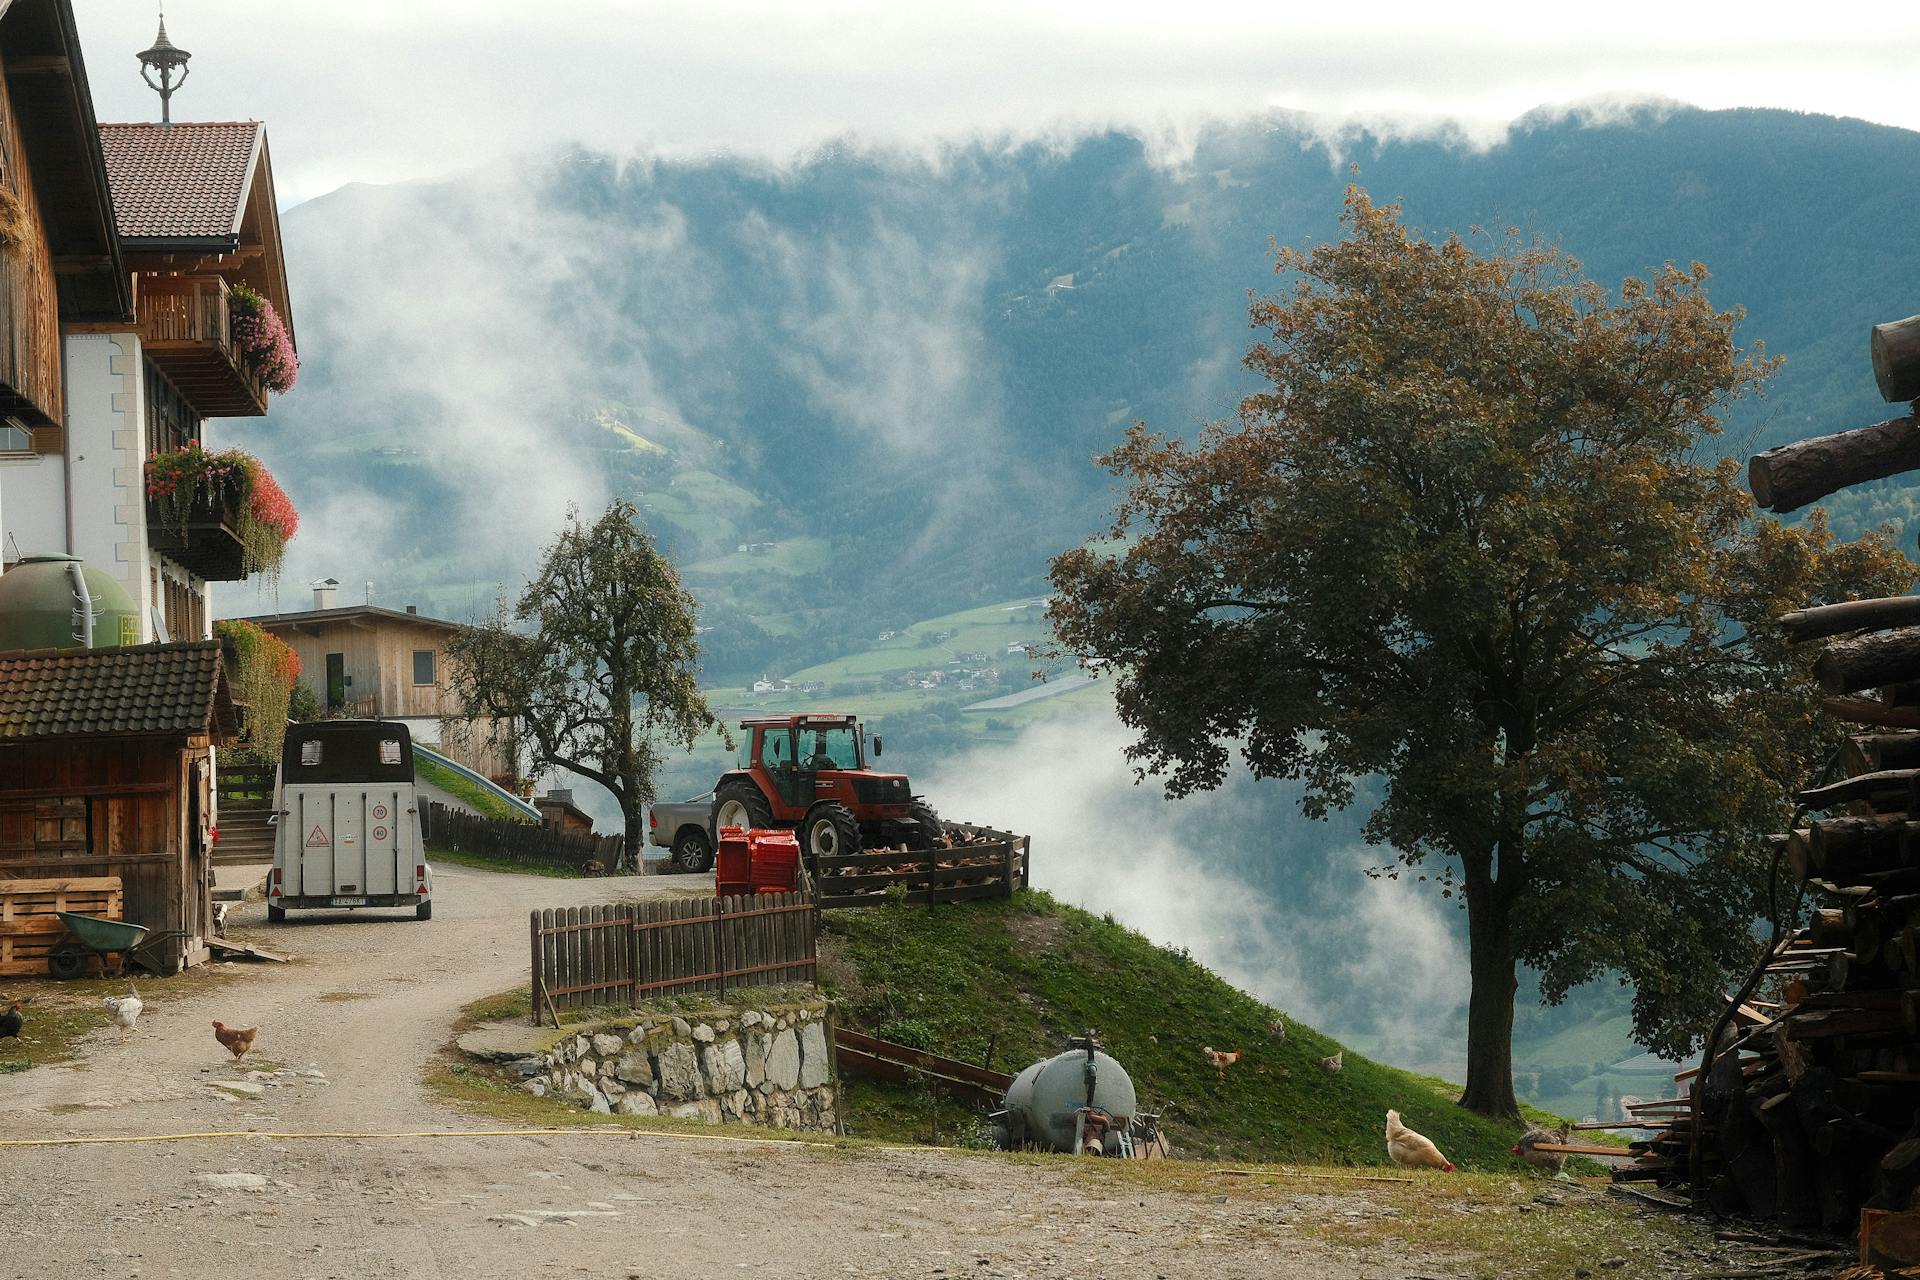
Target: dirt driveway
[{"x": 345, "y": 1035}]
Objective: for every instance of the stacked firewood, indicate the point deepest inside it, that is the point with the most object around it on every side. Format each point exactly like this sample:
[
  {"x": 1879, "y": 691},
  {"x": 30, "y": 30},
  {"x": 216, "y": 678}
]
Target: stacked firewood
[{"x": 1809, "y": 1109}]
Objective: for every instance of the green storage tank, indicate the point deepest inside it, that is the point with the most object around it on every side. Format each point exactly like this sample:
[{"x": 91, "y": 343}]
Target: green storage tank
[{"x": 38, "y": 605}]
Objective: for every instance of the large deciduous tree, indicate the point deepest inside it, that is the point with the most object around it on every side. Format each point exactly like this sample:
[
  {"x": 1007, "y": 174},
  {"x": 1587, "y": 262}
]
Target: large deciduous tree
[
  {"x": 1467, "y": 541},
  {"x": 596, "y": 663}
]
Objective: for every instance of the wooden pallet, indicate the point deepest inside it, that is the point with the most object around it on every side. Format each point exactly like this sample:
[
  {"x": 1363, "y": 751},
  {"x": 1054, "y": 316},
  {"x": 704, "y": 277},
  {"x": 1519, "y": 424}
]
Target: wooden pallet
[{"x": 29, "y": 927}]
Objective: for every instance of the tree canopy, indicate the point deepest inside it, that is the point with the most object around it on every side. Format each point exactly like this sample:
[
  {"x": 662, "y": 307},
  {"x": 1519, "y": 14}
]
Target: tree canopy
[
  {"x": 1467, "y": 540},
  {"x": 595, "y": 664}
]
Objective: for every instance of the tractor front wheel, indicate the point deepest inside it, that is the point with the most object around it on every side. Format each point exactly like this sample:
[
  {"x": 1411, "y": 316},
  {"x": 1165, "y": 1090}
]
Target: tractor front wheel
[
  {"x": 830, "y": 831},
  {"x": 740, "y": 804}
]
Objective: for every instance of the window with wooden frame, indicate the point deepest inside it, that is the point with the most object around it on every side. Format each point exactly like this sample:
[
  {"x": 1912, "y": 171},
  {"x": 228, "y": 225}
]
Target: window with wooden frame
[
  {"x": 423, "y": 666},
  {"x": 171, "y": 422}
]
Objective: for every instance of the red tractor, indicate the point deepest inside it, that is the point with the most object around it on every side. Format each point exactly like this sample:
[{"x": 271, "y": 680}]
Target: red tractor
[{"x": 809, "y": 772}]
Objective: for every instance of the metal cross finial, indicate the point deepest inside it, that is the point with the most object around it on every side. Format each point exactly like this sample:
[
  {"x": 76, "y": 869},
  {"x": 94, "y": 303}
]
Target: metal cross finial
[{"x": 166, "y": 58}]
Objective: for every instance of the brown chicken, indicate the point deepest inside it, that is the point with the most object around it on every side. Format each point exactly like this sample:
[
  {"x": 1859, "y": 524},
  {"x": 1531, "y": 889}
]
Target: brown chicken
[
  {"x": 237, "y": 1039},
  {"x": 1220, "y": 1061},
  {"x": 1411, "y": 1150}
]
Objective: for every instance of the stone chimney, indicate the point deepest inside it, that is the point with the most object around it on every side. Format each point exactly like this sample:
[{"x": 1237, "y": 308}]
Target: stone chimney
[{"x": 324, "y": 592}]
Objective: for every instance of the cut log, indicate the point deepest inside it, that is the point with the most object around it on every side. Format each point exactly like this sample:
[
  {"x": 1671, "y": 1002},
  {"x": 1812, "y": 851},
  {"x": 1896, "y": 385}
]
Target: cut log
[
  {"x": 1895, "y": 348},
  {"x": 1888, "y": 783},
  {"x": 1820, "y": 621},
  {"x": 1791, "y": 476},
  {"x": 1872, "y": 752},
  {"x": 1871, "y": 711},
  {"x": 1869, "y": 661}
]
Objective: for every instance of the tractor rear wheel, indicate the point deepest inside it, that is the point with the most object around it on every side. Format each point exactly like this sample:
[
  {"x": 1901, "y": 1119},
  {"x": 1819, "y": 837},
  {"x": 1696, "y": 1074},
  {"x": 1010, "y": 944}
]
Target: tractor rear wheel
[
  {"x": 740, "y": 804},
  {"x": 830, "y": 831},
  {"x": 927, "y": 829}
]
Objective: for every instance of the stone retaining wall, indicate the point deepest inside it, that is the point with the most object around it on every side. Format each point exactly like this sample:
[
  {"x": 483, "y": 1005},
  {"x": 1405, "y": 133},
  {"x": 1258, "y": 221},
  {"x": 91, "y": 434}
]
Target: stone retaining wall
[{"x": 771, "y": 1067}]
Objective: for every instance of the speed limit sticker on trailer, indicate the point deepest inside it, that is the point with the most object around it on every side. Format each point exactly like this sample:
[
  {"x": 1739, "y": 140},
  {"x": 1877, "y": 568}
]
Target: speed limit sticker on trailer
[
  {"x": 379, "y": 833},
  {"x": 379, "y": 812}
]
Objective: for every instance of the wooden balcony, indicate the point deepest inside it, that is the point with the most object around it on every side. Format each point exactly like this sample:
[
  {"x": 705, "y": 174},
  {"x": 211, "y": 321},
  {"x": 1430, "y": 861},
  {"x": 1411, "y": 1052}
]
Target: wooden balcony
[
  {"x": 208, "y": 545},
  {"x": 186, "y": 326}
]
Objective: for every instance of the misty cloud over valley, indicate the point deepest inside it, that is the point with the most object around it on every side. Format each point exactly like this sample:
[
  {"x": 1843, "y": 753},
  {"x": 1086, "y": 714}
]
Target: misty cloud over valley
[{"x": 898, "y": 367}]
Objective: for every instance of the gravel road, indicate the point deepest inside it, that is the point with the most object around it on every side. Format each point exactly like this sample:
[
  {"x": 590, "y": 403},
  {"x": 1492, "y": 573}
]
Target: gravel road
[{"x": 345, "y": 1034}]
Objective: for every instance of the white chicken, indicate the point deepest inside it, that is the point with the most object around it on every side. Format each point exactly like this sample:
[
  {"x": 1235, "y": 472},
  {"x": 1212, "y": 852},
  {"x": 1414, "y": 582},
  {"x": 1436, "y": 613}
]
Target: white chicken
[
  {"x": 126, "y": 1009},
  {"x": 1411, "y": 1150}
]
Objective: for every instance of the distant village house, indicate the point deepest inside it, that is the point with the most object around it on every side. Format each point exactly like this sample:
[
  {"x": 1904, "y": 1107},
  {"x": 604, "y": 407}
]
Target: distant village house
[{"x": 389, "y": 664}]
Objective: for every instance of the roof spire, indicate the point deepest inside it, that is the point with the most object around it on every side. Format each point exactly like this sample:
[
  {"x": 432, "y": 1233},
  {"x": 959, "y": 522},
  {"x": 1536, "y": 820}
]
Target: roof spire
[{"x": 166, "y": 58}]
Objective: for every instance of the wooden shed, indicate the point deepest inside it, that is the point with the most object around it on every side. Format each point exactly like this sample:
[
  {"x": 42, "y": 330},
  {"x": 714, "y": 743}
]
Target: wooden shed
[{"x": 105, "y": 770}]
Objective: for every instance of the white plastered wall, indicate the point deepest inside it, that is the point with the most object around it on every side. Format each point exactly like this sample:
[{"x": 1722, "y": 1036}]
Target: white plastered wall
[
  {"x": 33, "y": 506},
  {"x": 107, "y": 443}
]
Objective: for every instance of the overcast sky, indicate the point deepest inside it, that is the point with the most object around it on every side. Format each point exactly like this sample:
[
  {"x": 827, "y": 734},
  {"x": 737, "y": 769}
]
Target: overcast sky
[{"x": 381, "y": 90}]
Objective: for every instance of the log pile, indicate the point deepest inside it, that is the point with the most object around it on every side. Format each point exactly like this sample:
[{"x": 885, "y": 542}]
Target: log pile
[{"x": 1808, "y": 1110}]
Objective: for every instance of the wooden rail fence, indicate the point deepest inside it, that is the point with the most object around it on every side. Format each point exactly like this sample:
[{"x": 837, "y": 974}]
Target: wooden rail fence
[
  {"x": 868, "y": 1055},
  {"x": 629, "y": 952},
  {"x": 529, "y": 842},
  {"x": 990, "y": 864}
]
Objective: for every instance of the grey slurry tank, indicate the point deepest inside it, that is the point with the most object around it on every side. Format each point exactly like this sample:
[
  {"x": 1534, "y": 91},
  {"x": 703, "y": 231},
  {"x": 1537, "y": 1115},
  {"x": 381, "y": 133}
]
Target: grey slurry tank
[
  {"x": 347, "y": 821},
  {"x": 1081, "y": 1102}
]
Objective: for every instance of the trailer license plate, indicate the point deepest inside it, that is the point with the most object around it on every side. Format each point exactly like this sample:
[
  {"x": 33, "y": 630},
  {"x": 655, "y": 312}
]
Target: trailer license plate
[{"x": 349, "y": 902}]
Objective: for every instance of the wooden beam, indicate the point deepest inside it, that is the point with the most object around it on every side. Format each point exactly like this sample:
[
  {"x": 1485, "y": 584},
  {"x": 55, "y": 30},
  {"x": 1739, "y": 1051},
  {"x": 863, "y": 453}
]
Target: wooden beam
[
  {"x": 40, "y": 65},
  {"x": 1821, "y": 621},
  {"x": 1791, "y": 476},
  {"x": 1871, "y": 711},
  {"x": 1895, "y": 347}
]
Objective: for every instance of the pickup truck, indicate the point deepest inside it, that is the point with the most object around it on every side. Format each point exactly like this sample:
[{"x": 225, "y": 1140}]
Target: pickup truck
[{"x": 685, "y": 827}]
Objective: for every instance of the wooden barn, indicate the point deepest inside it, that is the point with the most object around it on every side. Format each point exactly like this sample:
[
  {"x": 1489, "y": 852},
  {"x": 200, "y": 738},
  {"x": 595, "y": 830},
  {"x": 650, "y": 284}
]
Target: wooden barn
[{"x": 105, "y": 770}]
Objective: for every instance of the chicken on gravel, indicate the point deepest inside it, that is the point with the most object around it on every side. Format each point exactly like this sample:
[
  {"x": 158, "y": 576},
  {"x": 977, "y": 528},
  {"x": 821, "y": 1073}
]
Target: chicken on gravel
[{"x": 1411, "y": 1150}]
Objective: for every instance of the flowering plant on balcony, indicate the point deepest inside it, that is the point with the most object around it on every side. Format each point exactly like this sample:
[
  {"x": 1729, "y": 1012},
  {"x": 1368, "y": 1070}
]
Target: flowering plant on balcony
[
  {"x": 263, "y": 339},
  {"x": 231, "y": 485},
  {"x": 263, "y": 669}
]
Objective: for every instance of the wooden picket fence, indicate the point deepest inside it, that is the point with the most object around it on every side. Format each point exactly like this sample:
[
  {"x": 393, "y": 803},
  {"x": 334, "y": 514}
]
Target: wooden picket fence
[
  {"x": 630, "y": 952},
  {"x": 529, "y": 842},
  {"x": 991, "y": 864}
]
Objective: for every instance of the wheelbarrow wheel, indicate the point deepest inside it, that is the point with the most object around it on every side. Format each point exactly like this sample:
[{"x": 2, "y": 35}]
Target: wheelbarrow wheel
[{"x": 67, "y": 960}]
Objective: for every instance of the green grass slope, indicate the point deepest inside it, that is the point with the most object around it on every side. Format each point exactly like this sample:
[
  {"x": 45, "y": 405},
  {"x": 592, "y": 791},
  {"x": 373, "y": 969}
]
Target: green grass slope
[{"x": 1028, "y": 974}]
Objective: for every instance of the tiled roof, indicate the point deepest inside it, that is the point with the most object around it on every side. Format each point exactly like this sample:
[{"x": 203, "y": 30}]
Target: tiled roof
[
  {"x": 147, "y": 689},
  {"x": 179, "y": 181}
]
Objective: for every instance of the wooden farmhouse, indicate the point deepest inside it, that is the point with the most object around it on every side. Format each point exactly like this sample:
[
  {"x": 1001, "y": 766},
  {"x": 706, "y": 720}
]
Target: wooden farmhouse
[
  {"x": 386, "y": 664},
  {"x": 106, "y": 771},
  {"x": 142, "y": 293}
]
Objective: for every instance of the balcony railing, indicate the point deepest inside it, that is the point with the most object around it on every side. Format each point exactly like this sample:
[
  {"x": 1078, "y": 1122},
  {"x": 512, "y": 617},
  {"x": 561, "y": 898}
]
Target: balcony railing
[
  {"x": 207, "y": 544},
  {"x": 186, "y": 326}
]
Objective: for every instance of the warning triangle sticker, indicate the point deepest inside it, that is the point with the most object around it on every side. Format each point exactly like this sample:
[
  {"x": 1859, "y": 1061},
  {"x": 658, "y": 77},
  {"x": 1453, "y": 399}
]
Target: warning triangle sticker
[{"x": 317, "y": 838}]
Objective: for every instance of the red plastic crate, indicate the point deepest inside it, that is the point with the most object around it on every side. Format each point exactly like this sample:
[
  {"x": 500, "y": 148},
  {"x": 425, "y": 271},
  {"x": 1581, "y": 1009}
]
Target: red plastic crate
[
  {"x": 774, "y": 861},
  {"x": 732, "y": 863}
]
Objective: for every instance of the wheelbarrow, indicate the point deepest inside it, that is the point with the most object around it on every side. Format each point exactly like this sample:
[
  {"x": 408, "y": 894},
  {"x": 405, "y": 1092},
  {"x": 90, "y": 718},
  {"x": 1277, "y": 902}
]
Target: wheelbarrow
[{"x": 90, "y": 935}]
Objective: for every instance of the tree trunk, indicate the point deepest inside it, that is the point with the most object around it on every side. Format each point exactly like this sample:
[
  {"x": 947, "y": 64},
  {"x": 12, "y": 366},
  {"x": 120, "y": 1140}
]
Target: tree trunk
[
  {"x": 1489, "y": 1088},
  {"x": 1820, "y": 621},
  {"x": 633, "y": 849}
]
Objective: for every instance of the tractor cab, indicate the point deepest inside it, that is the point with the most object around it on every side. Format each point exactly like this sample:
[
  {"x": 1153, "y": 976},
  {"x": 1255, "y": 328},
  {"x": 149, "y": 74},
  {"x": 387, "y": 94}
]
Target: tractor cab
[{"x": 811, "y": 772}]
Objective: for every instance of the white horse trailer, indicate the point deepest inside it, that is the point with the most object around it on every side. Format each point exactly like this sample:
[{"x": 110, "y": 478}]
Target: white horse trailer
[{"x": 348, "y": 821}]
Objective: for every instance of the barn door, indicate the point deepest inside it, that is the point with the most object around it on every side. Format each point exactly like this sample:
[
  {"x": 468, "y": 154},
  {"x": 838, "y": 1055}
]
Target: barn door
[{"x": 197, "y": 911}]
